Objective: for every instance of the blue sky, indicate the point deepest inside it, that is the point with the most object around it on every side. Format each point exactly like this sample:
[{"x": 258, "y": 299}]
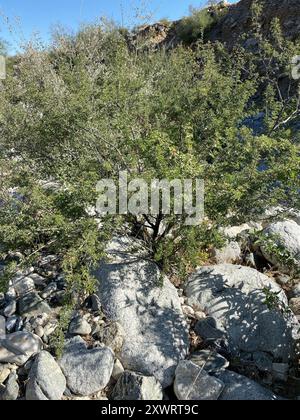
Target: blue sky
[{"x": 26, "y": 17}]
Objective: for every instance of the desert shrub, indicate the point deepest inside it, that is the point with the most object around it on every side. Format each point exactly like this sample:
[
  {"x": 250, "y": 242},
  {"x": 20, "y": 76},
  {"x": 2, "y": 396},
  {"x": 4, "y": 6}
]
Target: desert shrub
[{"x": 89, "y": 107}]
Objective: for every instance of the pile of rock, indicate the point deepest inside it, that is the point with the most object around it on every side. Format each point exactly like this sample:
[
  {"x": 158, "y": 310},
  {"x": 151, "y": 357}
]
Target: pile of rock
[{"x": 131, "y": 340}]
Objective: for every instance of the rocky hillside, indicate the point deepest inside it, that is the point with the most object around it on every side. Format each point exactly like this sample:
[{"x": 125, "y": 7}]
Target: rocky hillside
[{"x": 234, "y": 22}]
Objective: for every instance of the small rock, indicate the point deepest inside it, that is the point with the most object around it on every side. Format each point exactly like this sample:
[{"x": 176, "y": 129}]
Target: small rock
[
  {"x": 296, "y": 290},
  {"x": 188, "y": 311},
  {"x": 295, "y": 305},
  {"x": 207, "y": 330},
  {"x": 112, "y": 335},
  {"x": 86, "y": 371},
  {"x": 40, "y": 321},
  {"x": 230, "y": 254},
  {"x": 49, "y": 290},
  {"x": 280, "y": 371},
  {"x": 210, "y": 361},
  {"x": 22, "y": 285},
  {"x": 240, "y": 388},
  {"x": 2, "y": 327},
  {"x": 282, "y": 279},
  {"x": 39, "y": 331},
  {"x": 38, "y": 280},
  {"x": 263, "y": 361},
  {"x": 11, "y": 391},
  {"x": 46, "y": 380},
  {"x": 95, "y": 303},
  {"x": 50, "y": 327},
  {"x": 118, "y": 370},
  {"x": 135, "y": 387},
  {"x": 200, "y": 315},
  {"x": 4, "y": 373},
  {"x": 193, "y": 383},
  {"x": 32, "y": 304},
  {"x": 10, "y": 309},
  {"x": 19, "y": 347},
  {"x": 11, "y": 323},
  {"x": 79, "y": 326}
]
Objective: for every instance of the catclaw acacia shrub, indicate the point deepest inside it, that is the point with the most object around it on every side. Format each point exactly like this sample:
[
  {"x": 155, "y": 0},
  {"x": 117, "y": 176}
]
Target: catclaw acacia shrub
[{"x": 90, "y": 106}]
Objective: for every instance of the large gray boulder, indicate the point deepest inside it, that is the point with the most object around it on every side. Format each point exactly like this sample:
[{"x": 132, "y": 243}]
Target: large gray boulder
[
  {"x": 240, "y": 388},
  {"x": 46, "y": 380},
  {"x": 87, "y": 371},
  {"x": 286, "y": 234},
  {"x": 234, "y": 299},
  {"x": 134, "y": 293}
]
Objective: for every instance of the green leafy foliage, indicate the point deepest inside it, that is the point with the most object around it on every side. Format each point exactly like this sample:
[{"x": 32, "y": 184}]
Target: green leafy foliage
[{"x": 93, "y": 105}]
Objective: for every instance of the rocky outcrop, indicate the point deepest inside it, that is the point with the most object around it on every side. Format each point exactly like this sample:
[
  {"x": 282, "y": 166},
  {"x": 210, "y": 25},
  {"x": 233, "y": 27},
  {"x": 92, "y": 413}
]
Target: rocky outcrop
[
  {"x": 237, "y": 21},
  {"x": 134, "y": 293}
]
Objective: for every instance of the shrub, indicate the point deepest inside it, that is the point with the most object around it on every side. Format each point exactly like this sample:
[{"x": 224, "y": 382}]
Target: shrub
[{"x": 90, "y": 107}]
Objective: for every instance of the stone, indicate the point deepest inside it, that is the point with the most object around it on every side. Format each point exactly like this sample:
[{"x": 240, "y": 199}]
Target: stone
[
  {"x": 240, "y": 388},
  {"x": 79, "y": 326},
  {"x": 2, "y": 327},
  {"x": 200, "y": 315},
  {"x": 280, "y": 371},
  {"x": 209, "y": 360},
  {"x": 295, "y": 305},
  {"x": 230, "y": 254},
  {"x": 39, "y": 331},
  {"x": 49, "y": 290},
  {"x": 46, "y": 380},
  {"x": 11, "y": 390},
  {"x": 40, "y": 321},
  {"x": 134, "y": 293},
  {"x": 263, "y": 361},
  {"x": 14, "y": 324},
  {"x": 50, "y": 327},
  {"x": 10, "y": 309},
  {"x": 112, "y": 335},
  {"x": 296, "y": 290},
  {"x": 19, "y": 347},
  {"x": 285, "y": 234},
  {"x": 11, "y": 324},
  {"x": 87, "y": 371},
  {"x": 39, "y": 281},
  {"x": 118, "y": 370},
  {"x": 32, "y": 304},
  {"x": 282, "y": 279},
  {"x": 188, "y": 311},
  {"x": 135, "y": 387},
  {"x": 192, "y": 383},
  {"x": 207, "y": 329},
  {"x": 234, "y": 298},
  {"x": 95, "y": 303},
  {"x": 4, "y": 373},
  {"x": 22, "y": 284},
  {"x": 233, "y": 232}
]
